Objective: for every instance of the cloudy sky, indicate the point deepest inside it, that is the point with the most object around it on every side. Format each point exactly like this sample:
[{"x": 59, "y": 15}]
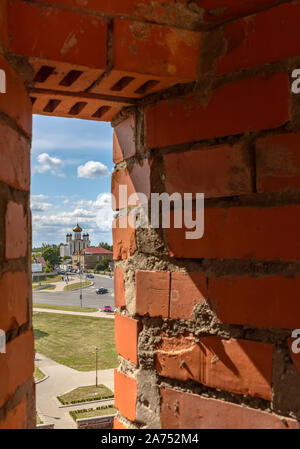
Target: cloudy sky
[{"x": 71, "y": 166}]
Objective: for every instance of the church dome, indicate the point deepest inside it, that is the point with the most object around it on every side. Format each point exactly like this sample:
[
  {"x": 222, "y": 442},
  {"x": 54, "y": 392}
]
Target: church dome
[{"x": 77, "y": 228}]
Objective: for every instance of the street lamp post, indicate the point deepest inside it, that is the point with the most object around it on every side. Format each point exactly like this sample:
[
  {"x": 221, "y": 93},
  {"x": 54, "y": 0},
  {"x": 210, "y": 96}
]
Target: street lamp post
[
  {"x": 80, "y": 273},
  {"x": 96, "y": 366}
]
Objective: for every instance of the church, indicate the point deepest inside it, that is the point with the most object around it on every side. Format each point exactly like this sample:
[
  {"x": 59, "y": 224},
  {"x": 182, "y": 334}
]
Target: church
[{"x": 74, "y": 244}]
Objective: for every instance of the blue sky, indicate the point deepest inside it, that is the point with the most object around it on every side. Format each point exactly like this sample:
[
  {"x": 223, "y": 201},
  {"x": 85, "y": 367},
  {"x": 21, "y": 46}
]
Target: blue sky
[{"x": 71, "y": 166}]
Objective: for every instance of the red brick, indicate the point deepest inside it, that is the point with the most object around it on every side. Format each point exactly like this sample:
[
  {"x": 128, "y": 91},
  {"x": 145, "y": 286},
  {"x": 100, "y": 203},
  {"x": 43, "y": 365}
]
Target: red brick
[
  {"x": 238, "y": 366},
  {"x": 258, "y": 39},
  {"x": 118, "y": 424},
  {"x": 152, "y": 293},
  {"x": 278, "y": 163},
  {"x": 295, "y": 357},
  {"x": 17, "y": 365},
  {"x": 126, "y": 337},
  {"x": 137, "y": 179},
  {"x": 14, "y": 158},
  {"x": 119, "y": 288},
  {"x": 124, "y": 140},
  {"x": 221, "y": 170},
  {"x": 171, "y": 11},
  {"x": 125, "y": 395},
  {"x": 236, "y": 300},
  {"x": 15, "y": 102},
  {"x": 156, "y": 50},
  {"x": 14, "y": 289},
  {"x": 241, "y": 232},
  {"x": 16, "y": 417},
  {"x": 187, "y": 290},
  {"x": 15, "y": 230},
  {"x": 238, "y": 107},
  {"x": 74, "y": 33},
  {"x": 124, "y": 244},
  {"x": 197, "y": 412}
]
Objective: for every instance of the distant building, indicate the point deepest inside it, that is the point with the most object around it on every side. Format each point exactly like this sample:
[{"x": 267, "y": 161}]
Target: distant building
[
  {"x": 40, "y": 260},
  {"x": 88, "y": 258},
  {"x": 74, "y": 244}
]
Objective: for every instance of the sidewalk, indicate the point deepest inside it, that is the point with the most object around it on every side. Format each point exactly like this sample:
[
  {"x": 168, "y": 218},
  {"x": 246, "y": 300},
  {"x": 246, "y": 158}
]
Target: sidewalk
[
  {"x": 61, "y": 380},
  {"x": 66, "y": 312}
]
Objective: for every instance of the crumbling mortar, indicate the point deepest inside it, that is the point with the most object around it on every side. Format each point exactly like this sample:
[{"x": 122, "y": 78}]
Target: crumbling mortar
[
  {"x": 8, "y": 121},
  {"x": 210, "y": 267}
]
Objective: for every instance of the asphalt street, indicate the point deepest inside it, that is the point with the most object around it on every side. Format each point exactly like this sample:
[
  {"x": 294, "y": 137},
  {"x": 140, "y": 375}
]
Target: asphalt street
[{"x": 72, "y": 298}]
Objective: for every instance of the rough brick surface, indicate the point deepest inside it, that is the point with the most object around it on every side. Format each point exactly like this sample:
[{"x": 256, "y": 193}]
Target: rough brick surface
[
  {"x": 145, "y": 48},
  {"x": 236, "y": 300},
  {"x": 15, "y": 102},
  {"x": 15, "y": 231},
  {"x": 15, "y": 418},
  {"x": 196, "y": 412},
  {"x": 152, "y": 294},
  {"x": 137, "y": 180},
  {"x": 118, "y": 425},
  {"x": 124, "y": 244},
  {"x": 258, "y": 39},
  {"x": 241, "y": 232},
  {"x": 278, "y": 163},
  {"x": 126, "y": 337},
  {"x": 246, "y": 105},
  {"x": 125, "y": 395},
  {"x": 124, "y": 140},
  {"x": 187, "y": 290},
  {"x": 215, "y": 171},
  {"x": 14, "y": 158},
  {"x": 239, "y": 366},
  {"x": 74, "y": 34},
  {"x": 13, "y": 300},
  {"x": 16, "y": 366},
  {"x": 119, "y": 288}
]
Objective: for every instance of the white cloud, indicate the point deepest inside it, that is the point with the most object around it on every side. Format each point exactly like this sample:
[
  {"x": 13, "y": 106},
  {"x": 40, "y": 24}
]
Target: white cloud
[
  {"x": 49, "y": 163},
  {"x": 51, "y": 225},
  {"x": 92, "y": 169},
  {"x": 39, "y": 197}
]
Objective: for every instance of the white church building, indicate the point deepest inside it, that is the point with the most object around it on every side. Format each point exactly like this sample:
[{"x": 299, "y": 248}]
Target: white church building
[{"x": 74, "y": 244}]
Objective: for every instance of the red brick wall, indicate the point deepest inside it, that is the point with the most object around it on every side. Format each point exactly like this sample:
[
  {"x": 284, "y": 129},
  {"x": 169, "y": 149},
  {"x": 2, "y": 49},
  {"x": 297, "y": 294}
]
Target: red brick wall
[
  {"x": 201, "y": 324},
  {"x": 216, "y": 313},
  {"x": 17, "y": 389}
]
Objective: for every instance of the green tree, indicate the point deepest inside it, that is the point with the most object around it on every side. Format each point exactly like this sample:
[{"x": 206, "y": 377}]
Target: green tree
[
  {"x": 51, "y": 255},
  {"x": 102, "y": 265},
  {"x": 105, "y": 246}
]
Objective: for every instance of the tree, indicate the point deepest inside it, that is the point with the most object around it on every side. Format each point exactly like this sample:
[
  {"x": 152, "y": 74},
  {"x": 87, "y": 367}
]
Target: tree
[
  {"x": 105, "y": 246},
  {"x": 102, "y": 265},
  {"x": 51, "y": 255}
]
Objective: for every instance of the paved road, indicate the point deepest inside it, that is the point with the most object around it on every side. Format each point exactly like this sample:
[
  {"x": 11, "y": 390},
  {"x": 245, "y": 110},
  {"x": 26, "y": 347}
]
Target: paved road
[
  {"x": 62, "y": 379},
  {"x": 89, "y": 296}
]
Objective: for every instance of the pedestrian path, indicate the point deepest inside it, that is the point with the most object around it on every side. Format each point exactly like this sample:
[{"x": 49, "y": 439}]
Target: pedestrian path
[
  {"x": 61, "y": 380},
  {"x": 98, "y": 314}
]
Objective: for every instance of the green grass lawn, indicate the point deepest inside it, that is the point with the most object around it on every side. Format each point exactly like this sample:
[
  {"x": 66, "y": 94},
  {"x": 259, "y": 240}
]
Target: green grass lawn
[
  {"x": 38, "y": 420},
  {"x": 88, "y": 393},
  {"x": 38, "y": 374},
  {"x": 46, "y": 280},
  {"x": 71, "y": 340},
  {"x": 91, "y": 413},
  {"x": 66, "y": 308},
  {"x": 77, "y": 285},
  {"x": 51, "y": 287}
]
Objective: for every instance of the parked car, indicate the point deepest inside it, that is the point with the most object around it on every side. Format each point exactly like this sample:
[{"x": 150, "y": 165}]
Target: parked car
[
  {"x": 101, "y": 291},
  {"x": 61, "y": 272},
  {"x": 107, "y": 309},
  {"x": 90, "y": 276}
]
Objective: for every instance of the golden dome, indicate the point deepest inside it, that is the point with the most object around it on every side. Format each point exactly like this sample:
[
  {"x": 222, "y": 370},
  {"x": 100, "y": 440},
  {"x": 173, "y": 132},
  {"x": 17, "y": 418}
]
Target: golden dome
[{"x": 77, "y": 228}]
